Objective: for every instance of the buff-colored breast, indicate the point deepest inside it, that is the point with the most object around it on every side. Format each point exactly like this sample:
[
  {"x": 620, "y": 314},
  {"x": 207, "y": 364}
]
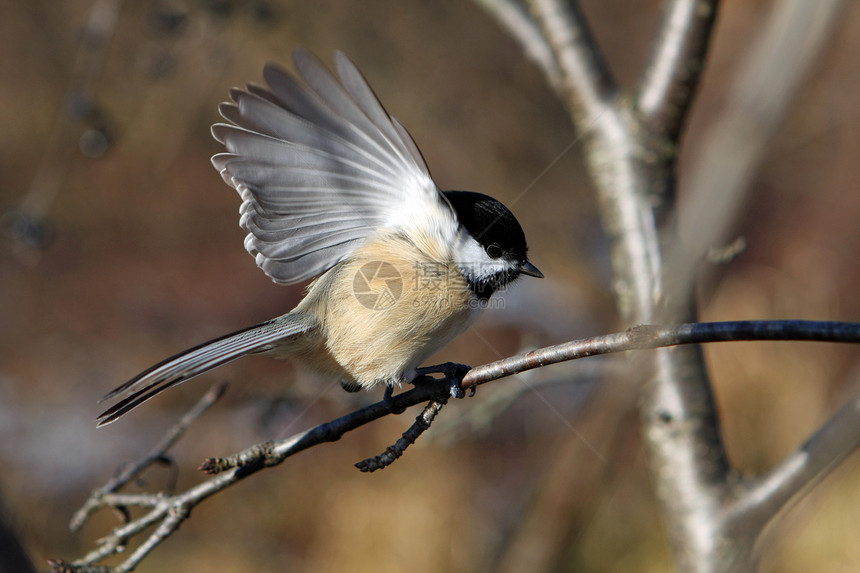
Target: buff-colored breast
[{"x": 385, "y": 310}]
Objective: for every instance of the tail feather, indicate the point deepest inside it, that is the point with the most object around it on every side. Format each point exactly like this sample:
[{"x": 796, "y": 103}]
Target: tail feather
[{"x": 200, "y": 359}]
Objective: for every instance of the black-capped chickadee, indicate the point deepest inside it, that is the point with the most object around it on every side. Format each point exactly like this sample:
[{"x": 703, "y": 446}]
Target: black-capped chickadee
[{"x": 333, "y": 185}]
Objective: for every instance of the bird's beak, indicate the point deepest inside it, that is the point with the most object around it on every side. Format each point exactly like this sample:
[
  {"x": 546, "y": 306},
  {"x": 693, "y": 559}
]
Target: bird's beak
[{"x": 529, "y": 269}]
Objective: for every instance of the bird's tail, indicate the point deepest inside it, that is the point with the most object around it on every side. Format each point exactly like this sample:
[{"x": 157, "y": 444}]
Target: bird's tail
[{"x": 200, "y": 359}]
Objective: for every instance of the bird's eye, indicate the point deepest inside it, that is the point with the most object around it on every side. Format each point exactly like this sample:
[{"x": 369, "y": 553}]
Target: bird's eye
[{"x": 494, "y": 250}]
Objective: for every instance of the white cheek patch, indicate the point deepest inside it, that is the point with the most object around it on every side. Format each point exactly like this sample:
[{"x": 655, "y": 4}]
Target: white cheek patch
[{"x": 474, "y": 262}]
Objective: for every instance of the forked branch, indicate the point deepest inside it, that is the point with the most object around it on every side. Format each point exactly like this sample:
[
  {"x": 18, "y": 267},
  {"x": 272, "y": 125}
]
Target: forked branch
[{"x": 167, "y": 512}]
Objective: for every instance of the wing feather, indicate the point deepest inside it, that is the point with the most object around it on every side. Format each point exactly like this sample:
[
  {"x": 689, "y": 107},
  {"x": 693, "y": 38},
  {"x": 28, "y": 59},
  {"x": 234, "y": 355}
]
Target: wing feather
[{"x": 320, "y": 166}]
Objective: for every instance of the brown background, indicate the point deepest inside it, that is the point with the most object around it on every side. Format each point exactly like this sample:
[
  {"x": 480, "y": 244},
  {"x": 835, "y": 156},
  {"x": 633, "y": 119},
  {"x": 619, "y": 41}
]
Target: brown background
[{"x": 146, "y": 259}]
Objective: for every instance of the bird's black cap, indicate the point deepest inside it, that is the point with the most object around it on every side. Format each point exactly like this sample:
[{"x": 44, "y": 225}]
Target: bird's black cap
[
  {"x": 498, "y": 232},
  {"x": 491, "y": 223}
]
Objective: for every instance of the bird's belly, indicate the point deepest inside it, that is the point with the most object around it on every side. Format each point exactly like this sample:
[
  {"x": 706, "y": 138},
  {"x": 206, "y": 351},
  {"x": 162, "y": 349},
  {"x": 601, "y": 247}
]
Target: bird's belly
[{"x": 384, "y": 315}]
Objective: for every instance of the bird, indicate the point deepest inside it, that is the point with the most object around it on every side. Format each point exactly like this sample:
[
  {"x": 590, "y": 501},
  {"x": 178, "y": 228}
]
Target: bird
[{"x": 333, "y": 187}]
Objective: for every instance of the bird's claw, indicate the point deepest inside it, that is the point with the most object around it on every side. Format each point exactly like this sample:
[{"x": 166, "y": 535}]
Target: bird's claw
[
  {"x": 388, "y": 400},
  {"x": 454, "y": 373}
]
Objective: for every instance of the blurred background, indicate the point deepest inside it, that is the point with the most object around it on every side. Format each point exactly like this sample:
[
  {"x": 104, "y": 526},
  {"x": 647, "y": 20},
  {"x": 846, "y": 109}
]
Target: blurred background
[{"x": 120, "y": 246}]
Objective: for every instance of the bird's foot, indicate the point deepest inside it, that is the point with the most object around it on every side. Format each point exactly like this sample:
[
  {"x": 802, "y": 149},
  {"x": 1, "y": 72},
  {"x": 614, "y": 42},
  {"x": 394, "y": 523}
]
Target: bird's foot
[
  {"x": 388, "y": 400},
  {"x": 454, "y": 374}
]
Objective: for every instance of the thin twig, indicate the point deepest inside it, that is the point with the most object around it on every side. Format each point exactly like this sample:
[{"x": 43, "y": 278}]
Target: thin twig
[
  {"x": 60, "y": 566},
  {"x": 170, "y": 511},
  {"x": 156, "y": 454},
  {"x": 657, "y": 336},
  {"x": 392, "y": 453},
  {"x": 106, "y": 496},
  {"x": 478, "y": 418}
]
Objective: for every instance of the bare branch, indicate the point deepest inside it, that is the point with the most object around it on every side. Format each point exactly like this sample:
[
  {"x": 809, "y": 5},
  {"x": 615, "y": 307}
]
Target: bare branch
[
  {"x": 615, "y": 151},
  {"x": 514, "y": 18},
  {"x": 157, "y": 453},
  {"x": 721, "y": 171},
  {"x": 60, "y": 566},
  {"x": 675, "y": 65},
  {"x": 168, "y": 512},
  {"x": 655, "y": 336},
  {"x": 634, "y": 173},
  {"x": 391, "y": 453},
  {"x": 692, "y": 475},
  {"x": 481, "y": 414},
  {"x": 634, "y": 176},
  {"x": 587, "y": 81},
  {"x": 762, "y": 498}
]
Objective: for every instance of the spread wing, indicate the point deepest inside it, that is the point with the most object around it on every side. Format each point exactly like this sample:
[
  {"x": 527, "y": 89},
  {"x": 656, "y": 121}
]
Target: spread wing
[{"x": 320, "y": 165}]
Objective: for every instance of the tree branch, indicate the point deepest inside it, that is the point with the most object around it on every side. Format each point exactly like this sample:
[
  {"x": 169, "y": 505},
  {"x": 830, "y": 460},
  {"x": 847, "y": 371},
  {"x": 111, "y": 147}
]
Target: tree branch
[
  {"x": 156, "y": 454},
  {"x": 760, "y": 499},
  {"x": 392, "y": 453},
  {"x": 634, "y": 173},
  {"x": 614, "y": 150},
  {"x": 656, "y": 336},
  {"x": 720, "y": 173},
  {"x": 587, "y": 82},
  {"x": 514, "y": 18},
  {"x": 168, "y": 512},
  {"x": 675, "y": 65}
]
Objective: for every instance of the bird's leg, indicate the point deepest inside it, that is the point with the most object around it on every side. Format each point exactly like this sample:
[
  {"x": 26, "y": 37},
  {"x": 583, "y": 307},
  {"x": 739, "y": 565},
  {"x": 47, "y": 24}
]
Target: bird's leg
[
  {"x": 453, "y": 373},
  {"x": 388, "y": 400}
]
